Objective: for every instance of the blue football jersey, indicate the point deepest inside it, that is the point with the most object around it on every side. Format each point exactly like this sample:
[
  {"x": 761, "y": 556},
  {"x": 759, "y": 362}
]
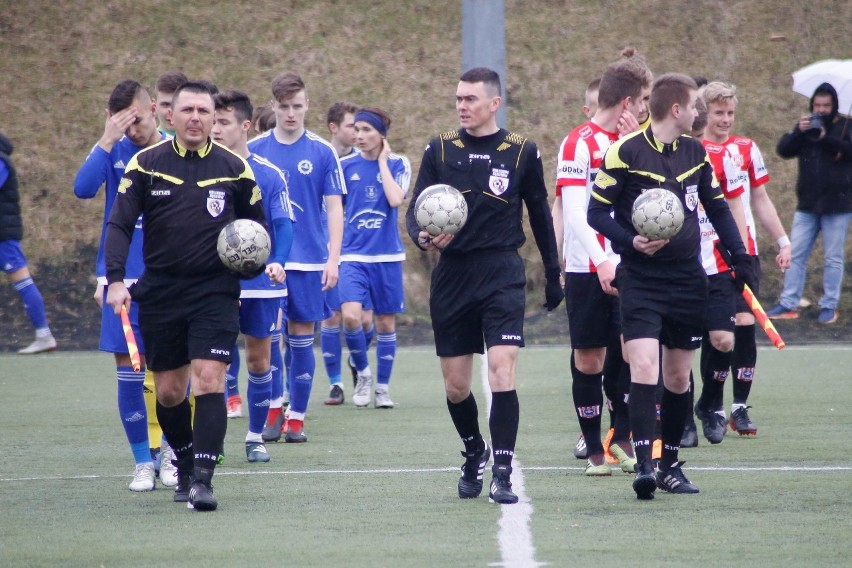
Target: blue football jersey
[
  {"x": 276, "y": 205},
  {"x": 370, "y": 231},
  {"x": 312, "y": 171},
  {"x": 107, "y": 168}
]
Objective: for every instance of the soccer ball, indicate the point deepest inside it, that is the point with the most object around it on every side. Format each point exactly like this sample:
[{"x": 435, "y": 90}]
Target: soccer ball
[
  {"x": 243, "y": 245},
  {"x": 440, "y": 208},
  {"x": 657, "y": 214}
]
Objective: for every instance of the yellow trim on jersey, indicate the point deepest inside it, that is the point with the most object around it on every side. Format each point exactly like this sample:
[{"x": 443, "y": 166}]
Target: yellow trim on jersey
[
  {"x": 688, "y": 173},
  {"x": 182, "y": 152},
  {"x": 601, "y": 199},
  {"x": 652, "y": 175},
  {"x": 134, "y": 165},
  {"x": 495, "y": 197}
]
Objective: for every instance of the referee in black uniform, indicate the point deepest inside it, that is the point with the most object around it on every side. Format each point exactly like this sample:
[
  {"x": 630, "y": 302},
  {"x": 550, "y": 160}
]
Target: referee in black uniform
[
  {"x": 477, "y": 291},
  {"x": 187, "y": 189},
  {"x": 662, "y": 285}
]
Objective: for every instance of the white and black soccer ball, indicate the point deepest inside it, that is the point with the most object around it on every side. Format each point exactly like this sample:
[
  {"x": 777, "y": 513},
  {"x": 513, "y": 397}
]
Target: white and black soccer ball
[
  {"x": 243, "y": 245},
  {"x": 440, "y": 208},
  {"x": 657, "y": 214}
]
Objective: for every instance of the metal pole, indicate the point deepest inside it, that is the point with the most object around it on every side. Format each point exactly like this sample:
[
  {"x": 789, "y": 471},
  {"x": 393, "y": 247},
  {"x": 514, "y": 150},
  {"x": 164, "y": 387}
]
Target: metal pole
[{"x": 484, "y": 41}]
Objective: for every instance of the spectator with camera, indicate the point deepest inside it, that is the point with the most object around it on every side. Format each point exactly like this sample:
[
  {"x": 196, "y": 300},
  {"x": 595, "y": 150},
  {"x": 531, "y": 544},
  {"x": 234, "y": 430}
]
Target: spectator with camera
[{"x": 823, "y": 144}]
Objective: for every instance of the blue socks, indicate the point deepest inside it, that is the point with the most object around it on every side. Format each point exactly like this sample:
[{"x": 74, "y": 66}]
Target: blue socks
[
  {"x": 301, "y": 372},
  {"x": 277, "y": 385},
  {"x": 259, "y": 392},
  {"x": 385, "y": 355},
  {"x": 331, "y": 352},
  {"x": 131, "y": 409},
  {"x": 357, "y": 344},
  {"x": 34, "y": 304}
]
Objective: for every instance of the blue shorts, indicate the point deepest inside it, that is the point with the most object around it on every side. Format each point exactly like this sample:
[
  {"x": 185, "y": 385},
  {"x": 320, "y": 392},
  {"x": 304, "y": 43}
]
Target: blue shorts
[
  {"x": 305, "y": 298},
  {"x": 258, "y": 316},
  {"x": 112, "y": 334},
  {"x": 332, "y": 298},
  {"x": 12, "y": 256},
  {"x": 375, "y": 285}
]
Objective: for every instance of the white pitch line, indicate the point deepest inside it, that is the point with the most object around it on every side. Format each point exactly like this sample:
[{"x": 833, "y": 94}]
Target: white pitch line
[{"x": 513, "y": 536}]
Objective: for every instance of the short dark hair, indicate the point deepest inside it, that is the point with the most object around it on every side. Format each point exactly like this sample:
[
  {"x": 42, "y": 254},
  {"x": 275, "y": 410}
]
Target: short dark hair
[
  {"x": 124, "y": 94},
  {"x": 169, "y": 81},
  {"x": 338, "y": 111},
  {"x": 211, "y": 86},
  {"x": 286, "y": 85},
  {"x": 700, "y": 80},
  {"x": 594, "y": 85},
  {"x": 668, "y": 90},
  {"x": 622, "y": 79},
  {"x": 236, "y": 101},
  {"x": 263, "y": 118},
  {"x": 483, "y": 75},
  {"x": 201, "y": 87},
  {"x": 700, "y": 122}
]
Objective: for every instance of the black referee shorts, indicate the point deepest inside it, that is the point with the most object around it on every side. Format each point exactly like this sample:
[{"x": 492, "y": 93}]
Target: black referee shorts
[
  {"x": 186, "y": 319},
  {"x": 592, "y": 314},
  {"x": 722, "y": 295},
  {"x": 663, "y": 301},
  {"x": 477, "y": 300}
]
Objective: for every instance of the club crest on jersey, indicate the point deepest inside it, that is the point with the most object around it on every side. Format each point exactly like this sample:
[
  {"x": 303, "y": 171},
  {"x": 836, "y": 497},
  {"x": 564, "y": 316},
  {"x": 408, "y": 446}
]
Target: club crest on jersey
[
  {"x": 691, "y": 197},
  {"x": 215, "y": 203},
  {"x": 498, "y": 183},
  {"x": 371, "y": 192},
  {"x": 305, "y": 167}
]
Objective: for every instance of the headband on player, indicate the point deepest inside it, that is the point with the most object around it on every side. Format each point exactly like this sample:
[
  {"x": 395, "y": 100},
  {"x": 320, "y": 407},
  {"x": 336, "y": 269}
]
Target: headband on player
[{"x": 373, "y": 120}]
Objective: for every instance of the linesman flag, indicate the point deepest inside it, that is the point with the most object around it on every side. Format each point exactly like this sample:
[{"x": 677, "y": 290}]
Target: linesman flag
[
  {"x": 762, "y": 318},
  {"x": 132, "y": 348}
]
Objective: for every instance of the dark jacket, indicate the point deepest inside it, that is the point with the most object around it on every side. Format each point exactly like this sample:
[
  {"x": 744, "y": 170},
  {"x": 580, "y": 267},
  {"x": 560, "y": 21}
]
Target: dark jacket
[
  {"x": 825, "y": 165},
  {"x": 11, "y": 225}
]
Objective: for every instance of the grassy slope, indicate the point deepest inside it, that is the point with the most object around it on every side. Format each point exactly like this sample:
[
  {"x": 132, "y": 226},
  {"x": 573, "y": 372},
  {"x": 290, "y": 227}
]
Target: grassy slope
[{"x": 60, "y": 60}]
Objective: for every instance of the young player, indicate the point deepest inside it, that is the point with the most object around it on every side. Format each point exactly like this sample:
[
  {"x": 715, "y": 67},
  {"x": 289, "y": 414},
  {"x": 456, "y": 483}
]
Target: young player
[
  {"x": 662, "y": 286},
  {"x": 590, "y": 98},
  {"x": 167, "y": 84},
  {"x": 478, "y": 288},
  {"x": 316, "y": 187},
  {"x": 371, "y": 261},
  {"x": 721, "y": 99},
  {"x": 130, "y": 127},
  {"x": 260, "y": 296},
  {"x": 590, "y": 263}
]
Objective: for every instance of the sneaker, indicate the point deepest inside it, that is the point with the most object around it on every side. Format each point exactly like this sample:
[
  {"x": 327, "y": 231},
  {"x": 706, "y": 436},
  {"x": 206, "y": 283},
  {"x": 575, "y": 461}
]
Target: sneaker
[
  {"x": 40, "y": 345},
  {"x": 827, "y": 315},
  {"x": 168, "y": 469},
  {"x": 741, "y": 423},
  {"x": 690, "y": 435},
  {"x": 335, "y": 396},
  {"x": 143, "y": 477},
  {"x": 645, "y": 483},
  {"x": 470, "y": 483},
  {"x": 673, "y": 480},
  {"x": 597, "y": 466},
  {"x": 295, "y": 432},
  {"x": 383, "y": 399},
  {"x": 235, "y": 406},
  {"x": 351, "y": 364},
  {"x": 622, "y": 450},
  {"x": 272, "y": 432},
  {"x": 779, "y": 312},
  {"x": 610, "y": 459},
  {"x": 712, "y": 423},
  {"x": 201, "y": 497},
  {"x": 184, "y": 481},
  {"x": 580, "y": 451},
  {"x": 361, "y": 397},
  {"x": 256, "y": 452},
  {"x": 501, "y": 486}
]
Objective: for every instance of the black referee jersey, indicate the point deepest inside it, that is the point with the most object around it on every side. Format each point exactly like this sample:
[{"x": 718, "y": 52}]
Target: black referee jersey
[
  {"x": 639, "y": 162},
  {"x": 185, "y": 197},
  {"x": 495, "y": 173}
]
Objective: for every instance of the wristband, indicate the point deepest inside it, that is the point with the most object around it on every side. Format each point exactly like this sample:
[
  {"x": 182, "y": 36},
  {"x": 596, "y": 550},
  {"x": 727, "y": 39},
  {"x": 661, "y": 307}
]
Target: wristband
[{"x": 783, "y": 241}]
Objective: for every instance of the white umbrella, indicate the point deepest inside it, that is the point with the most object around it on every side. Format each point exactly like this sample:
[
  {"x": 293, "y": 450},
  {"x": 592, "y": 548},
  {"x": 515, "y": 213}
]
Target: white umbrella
[{"x": 836, "y": 72}]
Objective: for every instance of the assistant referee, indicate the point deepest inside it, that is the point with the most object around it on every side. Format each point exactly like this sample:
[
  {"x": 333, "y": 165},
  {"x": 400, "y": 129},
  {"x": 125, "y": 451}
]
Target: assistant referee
[
  {"x": 187, "y": 190},
  {"x": 477, "y": 290}
]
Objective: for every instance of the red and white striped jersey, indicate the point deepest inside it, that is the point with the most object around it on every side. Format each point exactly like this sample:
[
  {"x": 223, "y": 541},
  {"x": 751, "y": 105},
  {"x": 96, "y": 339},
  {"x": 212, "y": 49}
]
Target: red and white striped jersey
[
  {"x": 752, "y": 173},
  {"x": 580, "y": 157},
  {"x": 727, "y": 173}
]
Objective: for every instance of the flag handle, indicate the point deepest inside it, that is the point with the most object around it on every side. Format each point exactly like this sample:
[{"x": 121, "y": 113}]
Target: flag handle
[
  {"x": 132, "y": 348},
  {"x": 762, "y": 318}
]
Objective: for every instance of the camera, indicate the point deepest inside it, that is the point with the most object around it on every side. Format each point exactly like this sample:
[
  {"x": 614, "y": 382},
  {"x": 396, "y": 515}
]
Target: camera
[{"x": 816, "y": 121}]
